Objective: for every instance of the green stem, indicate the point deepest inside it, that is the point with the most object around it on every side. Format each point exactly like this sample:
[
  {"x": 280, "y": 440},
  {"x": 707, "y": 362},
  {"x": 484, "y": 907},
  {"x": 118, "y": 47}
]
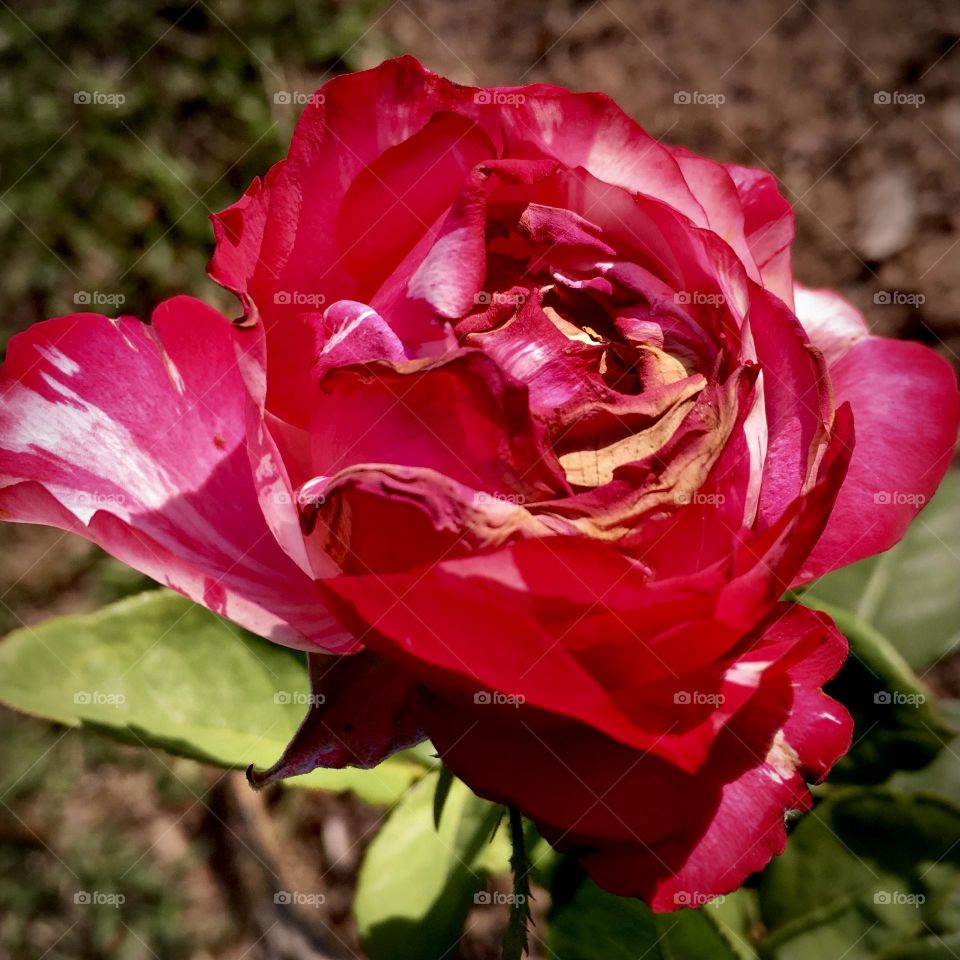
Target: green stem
[{"x": 515, "y": 939}]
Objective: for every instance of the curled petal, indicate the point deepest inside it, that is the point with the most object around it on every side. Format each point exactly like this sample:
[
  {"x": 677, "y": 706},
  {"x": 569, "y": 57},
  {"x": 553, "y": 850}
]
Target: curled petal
[
  {"x": 459, "y": 415},
  {"x": 361, "y": 711}
]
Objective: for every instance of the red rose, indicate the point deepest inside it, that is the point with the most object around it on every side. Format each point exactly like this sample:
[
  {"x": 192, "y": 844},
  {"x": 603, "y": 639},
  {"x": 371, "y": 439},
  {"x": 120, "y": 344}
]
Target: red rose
[{"x": 526, "y": 406}]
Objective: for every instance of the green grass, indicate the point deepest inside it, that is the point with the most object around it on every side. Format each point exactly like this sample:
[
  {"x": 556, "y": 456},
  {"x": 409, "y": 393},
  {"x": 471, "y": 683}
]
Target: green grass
[{"x": 112, "y": 197}]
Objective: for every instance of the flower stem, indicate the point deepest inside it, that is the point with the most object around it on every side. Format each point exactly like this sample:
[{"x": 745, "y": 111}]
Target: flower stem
[{"x": 515, "y": 939}]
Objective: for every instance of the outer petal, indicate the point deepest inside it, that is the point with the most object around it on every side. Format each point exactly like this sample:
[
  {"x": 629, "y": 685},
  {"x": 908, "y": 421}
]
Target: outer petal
[
  {"x": 577, "y": 631},
  {"x": 906, "y": 412},
  {"x": 362, "y": 710},
  {"x": 589, "y": 130},
  {"x": 833, "y": 324},
  {"x": 377, "y": 157},
  {"x": 643, "y": 827},
  {"x": 747, "y": 825},
  {"x": 565, "y": 624},
  {"x": 135, "y": 437}
]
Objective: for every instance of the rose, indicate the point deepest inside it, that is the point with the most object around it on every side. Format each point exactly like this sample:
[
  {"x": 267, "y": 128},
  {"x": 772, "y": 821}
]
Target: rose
[{"x": 546, "y": 434}]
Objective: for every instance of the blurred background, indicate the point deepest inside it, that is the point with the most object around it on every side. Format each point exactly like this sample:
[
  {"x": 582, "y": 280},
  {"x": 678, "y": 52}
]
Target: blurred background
[{"x": 124, "y": 123}]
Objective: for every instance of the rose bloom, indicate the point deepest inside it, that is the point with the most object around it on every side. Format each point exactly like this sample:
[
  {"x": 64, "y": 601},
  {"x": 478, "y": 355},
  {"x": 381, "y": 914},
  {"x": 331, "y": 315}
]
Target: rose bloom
[{"x": 523, "y": 433}]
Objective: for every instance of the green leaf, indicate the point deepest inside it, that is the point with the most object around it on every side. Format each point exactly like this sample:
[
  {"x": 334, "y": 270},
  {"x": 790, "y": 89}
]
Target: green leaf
[
  {"x": 942, "y": 775},
  {"x": 593, "y": 923},
  {"x": 417, "y": 882},
  {"x": 910, "y": 592},
  {"x": 160, "y": 671},
  {"x": 856, "y": 878},
  {"x": 897, "y": 725},
  {"x": 933, "y": 947}
]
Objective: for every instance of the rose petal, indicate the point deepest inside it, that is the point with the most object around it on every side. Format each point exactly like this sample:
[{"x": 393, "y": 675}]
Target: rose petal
[
  {"x": 135, "y": 437},
  {"x": 362, "y": 711},
  {"x": 747, "y": 825},
  {"x": 833, "y": 324},
  {"x": 768, "y": 222},
  {"x": 459, "y": 415},
  {"x": 906, "y": 410}
]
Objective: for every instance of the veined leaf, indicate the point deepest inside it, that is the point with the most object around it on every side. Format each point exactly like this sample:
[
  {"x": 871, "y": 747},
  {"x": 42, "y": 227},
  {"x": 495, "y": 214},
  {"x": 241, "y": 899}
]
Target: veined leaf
[{"x": 160, "y": 671}]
